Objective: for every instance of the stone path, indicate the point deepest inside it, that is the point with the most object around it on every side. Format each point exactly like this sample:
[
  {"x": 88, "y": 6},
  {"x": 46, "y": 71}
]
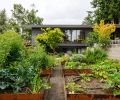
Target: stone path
[{"x": 57, "y": 92}]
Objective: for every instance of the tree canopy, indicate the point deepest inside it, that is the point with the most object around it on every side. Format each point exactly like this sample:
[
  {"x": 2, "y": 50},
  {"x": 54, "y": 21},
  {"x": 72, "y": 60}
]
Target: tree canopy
[
  {"x": 50, "y": 38},
  {"x": 108, "y": 10},
  {"x": 3, "y": 21},
  {"x": 22, "y": 16}
]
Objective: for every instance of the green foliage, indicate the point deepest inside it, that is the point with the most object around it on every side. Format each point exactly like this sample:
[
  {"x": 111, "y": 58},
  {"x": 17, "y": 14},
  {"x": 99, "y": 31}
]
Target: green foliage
[
  {"x": 71, "y": 65},
  {"x": 85, "y": 77},
  {"x": 22, "y": 77},
  {"x": 73, "y": 88},
  {"x": 3, "y": 21},
  {"x": 25, "y": 17},
  {"x": 101, "y": 34},
  {"x": 51, "y": 61},
  {"x": 65, "y": 58},
  {"x": 93, "y": 38},
  {"x": 37, "y": 84},
  {"x": 76, "y": 57},
  {"x": 93, "y": 55},
  {"x": 17, "y": 77},
  {"x": 109, "y": 13},
  {"x": 39, "y": 58},
  {"x": 89, "y": 20},
  {"x": 103, "y": 69},
  {"x": 50, "y": 37},
  {"x": 11, "y": 48},
  {"x": 113, "y": 83}
]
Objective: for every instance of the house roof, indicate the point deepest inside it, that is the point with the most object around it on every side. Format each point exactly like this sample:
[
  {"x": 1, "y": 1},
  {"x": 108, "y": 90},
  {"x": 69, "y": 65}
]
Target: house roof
[
  {"x": 63, "y": 26},
  {"x": 66, "y": 26}
]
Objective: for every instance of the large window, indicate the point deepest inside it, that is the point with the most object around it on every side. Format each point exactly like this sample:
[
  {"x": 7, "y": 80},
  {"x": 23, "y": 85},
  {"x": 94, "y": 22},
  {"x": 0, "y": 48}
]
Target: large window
[{"x": 74, "y": 36}]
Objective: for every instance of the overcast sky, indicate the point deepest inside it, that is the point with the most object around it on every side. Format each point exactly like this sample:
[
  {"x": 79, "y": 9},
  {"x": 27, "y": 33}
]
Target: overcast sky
[{"x": 54, "y": 11}]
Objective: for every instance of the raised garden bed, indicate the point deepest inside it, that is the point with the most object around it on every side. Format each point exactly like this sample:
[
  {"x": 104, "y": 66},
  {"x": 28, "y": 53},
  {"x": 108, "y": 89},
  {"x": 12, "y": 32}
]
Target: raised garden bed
[
  {"x": 23, "y": 96},
  {"x": 27, "y": 94},
  {"x": 46, "y": 72},
  {"x": 76, "y": 72},
  {"x": 91, "y": 97},
  {"x": 89, "y": 90}
]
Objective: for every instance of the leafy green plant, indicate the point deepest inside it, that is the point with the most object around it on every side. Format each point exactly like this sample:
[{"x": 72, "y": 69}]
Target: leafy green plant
[
  {"x": 93, "y": 38},
  {"x": 71, "y": 65},
  {"x": 50, "y": 37},
  {"x": 51, "y": 61},
  {"x": 76, "y": 57},
  {"x": 16, "y": 78},
  {"x": 38, "y": 83},
  {"x": 11, "y": 48},
  {"x": 39, "y": 58},
  {"x": 103, "y": 69},
  {"x": 72, "y": 87},
  {"x": 85, "y": 77},
  {"x": 93, "y": 55},
  {"x": 113, "y": 83}
]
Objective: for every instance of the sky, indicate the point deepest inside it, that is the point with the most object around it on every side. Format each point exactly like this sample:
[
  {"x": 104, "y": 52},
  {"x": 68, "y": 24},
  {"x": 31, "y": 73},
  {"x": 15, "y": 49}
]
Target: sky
[{"x": 54, "y": 11}]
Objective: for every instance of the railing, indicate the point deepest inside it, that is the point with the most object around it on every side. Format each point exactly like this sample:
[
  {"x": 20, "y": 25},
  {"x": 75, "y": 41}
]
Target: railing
[{"x": 116, "y": 41}]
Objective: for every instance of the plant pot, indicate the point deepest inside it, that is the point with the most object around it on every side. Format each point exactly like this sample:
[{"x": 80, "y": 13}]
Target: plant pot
[
  {"x": 25, "y": 96},
  {"x": 46, "y": 72},
  {"x": 92, "y": 97},
  {"x": 76, "y": 72}
]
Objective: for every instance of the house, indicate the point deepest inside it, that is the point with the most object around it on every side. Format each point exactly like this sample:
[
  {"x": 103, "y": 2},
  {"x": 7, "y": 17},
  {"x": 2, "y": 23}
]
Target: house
[{"x": 75, "y": 35}]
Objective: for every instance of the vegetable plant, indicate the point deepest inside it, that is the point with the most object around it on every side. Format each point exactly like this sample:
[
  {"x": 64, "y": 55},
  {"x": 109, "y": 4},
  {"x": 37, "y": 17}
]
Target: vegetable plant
[
  {"x": 72, "y": 87},
  {"x": 71, "y": 65}
]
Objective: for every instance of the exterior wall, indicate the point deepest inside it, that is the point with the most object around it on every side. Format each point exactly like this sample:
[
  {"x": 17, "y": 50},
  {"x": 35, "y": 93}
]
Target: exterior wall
[
  {"x": 35, "y": 31},
  {"x": 70, "y": 45}
]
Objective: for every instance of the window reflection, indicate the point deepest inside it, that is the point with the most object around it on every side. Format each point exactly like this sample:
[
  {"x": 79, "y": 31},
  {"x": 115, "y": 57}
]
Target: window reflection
[{"x": 74, "y": 36}]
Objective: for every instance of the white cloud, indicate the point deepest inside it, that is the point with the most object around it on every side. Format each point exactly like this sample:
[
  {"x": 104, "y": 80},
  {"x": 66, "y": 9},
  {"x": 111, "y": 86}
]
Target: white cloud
[{"x": 55, "y": 11}]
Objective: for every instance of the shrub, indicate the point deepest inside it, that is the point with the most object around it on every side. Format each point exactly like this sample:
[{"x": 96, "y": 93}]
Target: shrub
[
  {"x": 76, "y": 57},
  {"x": 11, "y": 48},
  {"x": 101, "y": 34},
  {"x": 39, "y": 58},
  {"x": 93, "y": 38},
  {"x": 50, "y": 38},
  {"x": 104, "y": 32},
  {"x": 71, "y": 65},
  {"x": 93, "y": 55},
  {"x": 51, "y": 61}
]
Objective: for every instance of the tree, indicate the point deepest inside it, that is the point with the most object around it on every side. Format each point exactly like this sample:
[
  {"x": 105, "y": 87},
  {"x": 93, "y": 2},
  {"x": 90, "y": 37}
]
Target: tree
[
  {"x": 101, "y": 33},
  {"x": 50, "y": 37},
  {"x": 22, "y": 16},
  {"x": 3, "y": 21},
  {"x": 89, "y": 20},
  {"x": 108, "y": 10}
]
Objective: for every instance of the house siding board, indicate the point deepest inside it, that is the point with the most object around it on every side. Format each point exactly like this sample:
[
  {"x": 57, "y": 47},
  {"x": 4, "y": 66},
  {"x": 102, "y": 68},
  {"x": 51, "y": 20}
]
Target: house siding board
[{"x": 35, "y": 31}]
